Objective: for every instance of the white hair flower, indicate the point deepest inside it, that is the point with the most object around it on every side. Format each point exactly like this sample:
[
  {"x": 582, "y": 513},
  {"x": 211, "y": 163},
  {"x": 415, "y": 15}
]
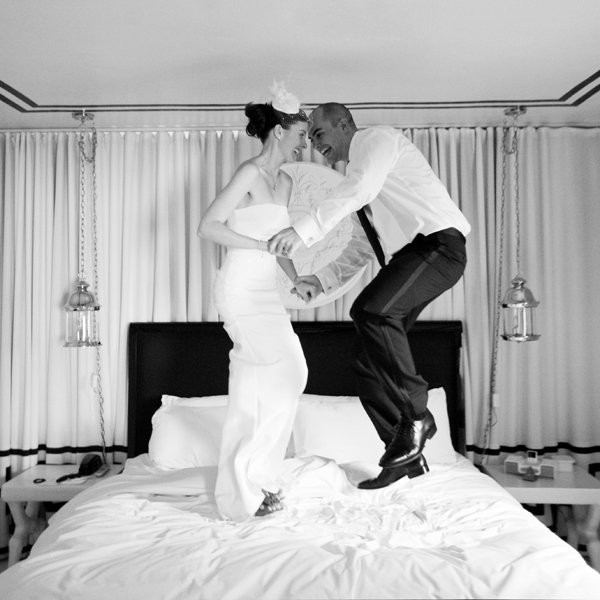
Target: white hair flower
[{"x": 282, "y": 100}]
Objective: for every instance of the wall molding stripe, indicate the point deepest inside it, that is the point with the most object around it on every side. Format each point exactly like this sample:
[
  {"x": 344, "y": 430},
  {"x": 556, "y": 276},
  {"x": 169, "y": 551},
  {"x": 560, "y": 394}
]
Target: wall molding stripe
[
  {"x": 581, "y": 86},
  {"x": 578, "y": 94}
]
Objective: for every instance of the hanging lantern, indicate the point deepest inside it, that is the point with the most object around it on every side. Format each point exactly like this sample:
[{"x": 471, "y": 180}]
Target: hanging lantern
[
  {"x": 518, "y": 304},
  {"x": 82, "y": 306},
  {"x": 518, "y": 310},
  {"x": 80, "y": 310}
]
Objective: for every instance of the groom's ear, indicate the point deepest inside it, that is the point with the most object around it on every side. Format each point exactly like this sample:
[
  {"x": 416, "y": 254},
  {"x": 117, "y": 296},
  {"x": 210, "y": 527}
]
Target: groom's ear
[{"x": 343, "y": 124}]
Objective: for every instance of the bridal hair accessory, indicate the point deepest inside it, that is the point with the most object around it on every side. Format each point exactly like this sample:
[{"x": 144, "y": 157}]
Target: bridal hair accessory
[
  {"x": 286, "y": 105},
  {"x": 282, "y": 100}
]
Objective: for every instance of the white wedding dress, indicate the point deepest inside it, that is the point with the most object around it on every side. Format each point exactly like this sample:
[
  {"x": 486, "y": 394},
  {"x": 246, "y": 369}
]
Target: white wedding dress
[{"x": 267, "y": 370}]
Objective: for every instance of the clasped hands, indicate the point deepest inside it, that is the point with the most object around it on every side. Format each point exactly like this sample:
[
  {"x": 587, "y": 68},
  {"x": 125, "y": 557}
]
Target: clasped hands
[
  {"x": 307, "y": 287},
  {"x": 286, "y": 243}
]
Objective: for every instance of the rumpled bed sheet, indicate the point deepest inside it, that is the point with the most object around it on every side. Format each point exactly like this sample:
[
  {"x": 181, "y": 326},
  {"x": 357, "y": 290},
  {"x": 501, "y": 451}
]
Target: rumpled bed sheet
[{"x": 151, "y": 534}]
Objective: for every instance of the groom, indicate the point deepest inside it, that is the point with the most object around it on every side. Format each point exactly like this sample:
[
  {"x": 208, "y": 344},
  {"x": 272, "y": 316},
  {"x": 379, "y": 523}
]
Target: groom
[{"x": 418, "y": 235}]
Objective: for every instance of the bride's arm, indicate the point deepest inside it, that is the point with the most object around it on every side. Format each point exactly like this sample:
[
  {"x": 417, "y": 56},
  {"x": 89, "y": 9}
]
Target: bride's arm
[
  {"x": 287, "y": 264},
  {"x": 213, "y": 224}
]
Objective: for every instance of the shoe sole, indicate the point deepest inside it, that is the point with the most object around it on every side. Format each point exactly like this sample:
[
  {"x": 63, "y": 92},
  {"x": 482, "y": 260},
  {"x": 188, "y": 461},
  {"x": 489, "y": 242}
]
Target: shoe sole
[{"x": 410, "y": 470}]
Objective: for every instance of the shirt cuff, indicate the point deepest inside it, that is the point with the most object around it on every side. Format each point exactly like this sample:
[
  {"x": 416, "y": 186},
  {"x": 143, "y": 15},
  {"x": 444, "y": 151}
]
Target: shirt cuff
[
  {"x": 328, "y": 279},
  {"x": 308, "y": 230}
]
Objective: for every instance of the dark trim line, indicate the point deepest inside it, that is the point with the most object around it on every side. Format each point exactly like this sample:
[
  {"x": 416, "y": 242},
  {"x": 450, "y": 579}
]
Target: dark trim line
[
  {"x": 587, "y": 95},
  {"x": 580, "y": 86},
  {"x": 11, "y": 90},
  {"x": 544, "y": 450},
  {"x": 9, "y": 102},
  {"x": 156, "y": 108},
  {"x": 60, "y": 450},
  {"x": 52, "y": 108},
  {"x": 373, "y": 106},
  {"x": 452, "y": 103},
  {"x": 142, "y": 106}
]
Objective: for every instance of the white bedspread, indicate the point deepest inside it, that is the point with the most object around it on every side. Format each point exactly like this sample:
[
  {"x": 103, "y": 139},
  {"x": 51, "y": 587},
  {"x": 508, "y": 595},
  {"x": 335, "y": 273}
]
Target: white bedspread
[{"x": 150, "y": 534}]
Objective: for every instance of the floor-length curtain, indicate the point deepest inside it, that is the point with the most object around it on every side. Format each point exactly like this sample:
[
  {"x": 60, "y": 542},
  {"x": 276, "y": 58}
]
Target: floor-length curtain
[
  {"x": 549, "y": 388},
  {"x": 152, "y": 190},
  {"x": 466, "y": 161}
]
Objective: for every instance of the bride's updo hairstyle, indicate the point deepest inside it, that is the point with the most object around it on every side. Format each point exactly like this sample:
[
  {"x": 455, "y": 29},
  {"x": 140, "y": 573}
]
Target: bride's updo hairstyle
[
  {"x": 284, "y": 110},
  {"x": 263, "y": 117}
]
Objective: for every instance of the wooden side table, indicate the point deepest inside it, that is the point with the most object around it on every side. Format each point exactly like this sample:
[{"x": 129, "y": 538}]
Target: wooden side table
[
  {"x": 576, "y": 488},
  {"x": 25, "y": 497}
]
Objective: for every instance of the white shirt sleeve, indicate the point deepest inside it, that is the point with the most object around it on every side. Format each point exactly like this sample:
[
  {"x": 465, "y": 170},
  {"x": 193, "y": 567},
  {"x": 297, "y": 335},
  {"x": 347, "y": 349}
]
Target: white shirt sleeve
[{"x": 373, "y": 153}]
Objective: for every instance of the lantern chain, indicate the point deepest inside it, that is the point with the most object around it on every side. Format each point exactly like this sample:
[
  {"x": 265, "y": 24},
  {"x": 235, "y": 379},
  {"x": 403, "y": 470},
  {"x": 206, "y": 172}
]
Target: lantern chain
[
  {"x": 99, "y": 390},
  {"x": 509, "y": 147},
  {"x": 517, "y": 215},
  {"x": 86, "y": 131},
  {"x": 81, "y": 206},
  {"x": 491, "y": 420}
]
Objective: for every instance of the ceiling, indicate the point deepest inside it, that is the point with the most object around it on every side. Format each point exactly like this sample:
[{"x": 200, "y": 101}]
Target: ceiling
[{"x": 195, "y": 63}]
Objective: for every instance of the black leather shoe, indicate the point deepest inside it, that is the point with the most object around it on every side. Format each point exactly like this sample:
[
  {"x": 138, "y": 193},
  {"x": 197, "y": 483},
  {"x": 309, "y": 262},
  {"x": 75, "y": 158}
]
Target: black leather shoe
[
  {"x": 396, "y": 453},
  {"x": 418, "y": 466}
]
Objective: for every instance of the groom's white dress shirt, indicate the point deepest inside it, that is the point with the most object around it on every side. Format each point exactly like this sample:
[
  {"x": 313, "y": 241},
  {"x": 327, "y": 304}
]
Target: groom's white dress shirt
[{"x": 405, "y": 197}]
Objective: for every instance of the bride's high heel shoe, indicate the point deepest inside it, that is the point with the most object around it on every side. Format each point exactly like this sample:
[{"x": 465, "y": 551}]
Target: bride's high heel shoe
[{"x": 271, "y": 503}]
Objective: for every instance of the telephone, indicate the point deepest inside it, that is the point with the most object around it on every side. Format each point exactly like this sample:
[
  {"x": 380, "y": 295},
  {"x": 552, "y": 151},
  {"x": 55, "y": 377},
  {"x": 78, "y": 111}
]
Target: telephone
[{"x": 91, "y": 464}]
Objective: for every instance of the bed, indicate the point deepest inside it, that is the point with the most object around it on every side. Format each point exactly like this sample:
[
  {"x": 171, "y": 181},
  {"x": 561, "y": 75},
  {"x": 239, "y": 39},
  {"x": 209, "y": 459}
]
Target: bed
[{"x": 152, "y": 532}]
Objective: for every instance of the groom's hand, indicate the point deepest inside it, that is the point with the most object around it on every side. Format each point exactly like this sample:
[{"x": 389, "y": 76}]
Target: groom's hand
[{"x": 285, "y": 243}]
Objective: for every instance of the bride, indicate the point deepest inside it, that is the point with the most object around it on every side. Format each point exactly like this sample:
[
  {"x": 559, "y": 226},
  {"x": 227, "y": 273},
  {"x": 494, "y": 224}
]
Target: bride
[{"x": 267, "y": 369}]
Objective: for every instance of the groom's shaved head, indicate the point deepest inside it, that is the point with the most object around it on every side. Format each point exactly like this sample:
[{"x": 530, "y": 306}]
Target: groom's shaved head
[
  {"x": 333, "y": 112},
  {"x": 330, "y": 130}
]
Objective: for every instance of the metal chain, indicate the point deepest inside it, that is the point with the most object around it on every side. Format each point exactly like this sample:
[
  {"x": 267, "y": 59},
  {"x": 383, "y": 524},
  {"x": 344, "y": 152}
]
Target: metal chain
[
  {"x": 491, "y": 420},
  {"x": 81, "y": 141},
  {"x": 509, "y": 147},
  {"x": 500, "y": 277},
  {"x": 517, "y": 215},
  {"x": 85, "y": 132},
  {"x": 99, "y": 390},
  {"x": 100, "y": 394},
  {"x": 95, "y": 219}
]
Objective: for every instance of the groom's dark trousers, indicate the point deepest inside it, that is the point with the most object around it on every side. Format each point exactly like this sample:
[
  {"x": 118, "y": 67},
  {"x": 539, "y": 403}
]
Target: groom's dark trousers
[{"x": 389, "y": 386}]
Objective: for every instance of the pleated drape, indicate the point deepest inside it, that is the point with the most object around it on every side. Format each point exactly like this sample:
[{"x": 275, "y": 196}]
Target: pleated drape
[
  {"x": 152, "y": 190},
  {"x": 549, "y": 393}
]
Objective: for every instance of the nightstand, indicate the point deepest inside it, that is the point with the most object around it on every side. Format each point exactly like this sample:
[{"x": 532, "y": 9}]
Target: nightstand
[
  {"x": 25, "y": 497},
  {"x": 576, "y": 488}
]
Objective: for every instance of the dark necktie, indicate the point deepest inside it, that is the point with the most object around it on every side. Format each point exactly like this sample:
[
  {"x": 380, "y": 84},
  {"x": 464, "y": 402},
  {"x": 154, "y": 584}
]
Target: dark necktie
[{"x": 371, "y": 235}]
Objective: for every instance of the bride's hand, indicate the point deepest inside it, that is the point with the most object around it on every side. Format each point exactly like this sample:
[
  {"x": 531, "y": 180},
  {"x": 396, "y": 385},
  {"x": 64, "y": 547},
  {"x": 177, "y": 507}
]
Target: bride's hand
[{"x": 305, "y": 290}]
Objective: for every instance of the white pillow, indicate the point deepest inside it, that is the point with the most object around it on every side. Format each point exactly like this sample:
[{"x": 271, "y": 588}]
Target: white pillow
[
  {"x": 338, "y": 427},
  {"x": 186, "y": 432},
  {"x": 439, "y": 449}
]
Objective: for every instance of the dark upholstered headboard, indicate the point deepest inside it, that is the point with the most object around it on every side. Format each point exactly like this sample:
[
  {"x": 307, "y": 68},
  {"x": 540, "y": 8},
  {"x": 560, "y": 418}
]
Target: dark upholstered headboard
[{"x": 191, "y": 359}]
